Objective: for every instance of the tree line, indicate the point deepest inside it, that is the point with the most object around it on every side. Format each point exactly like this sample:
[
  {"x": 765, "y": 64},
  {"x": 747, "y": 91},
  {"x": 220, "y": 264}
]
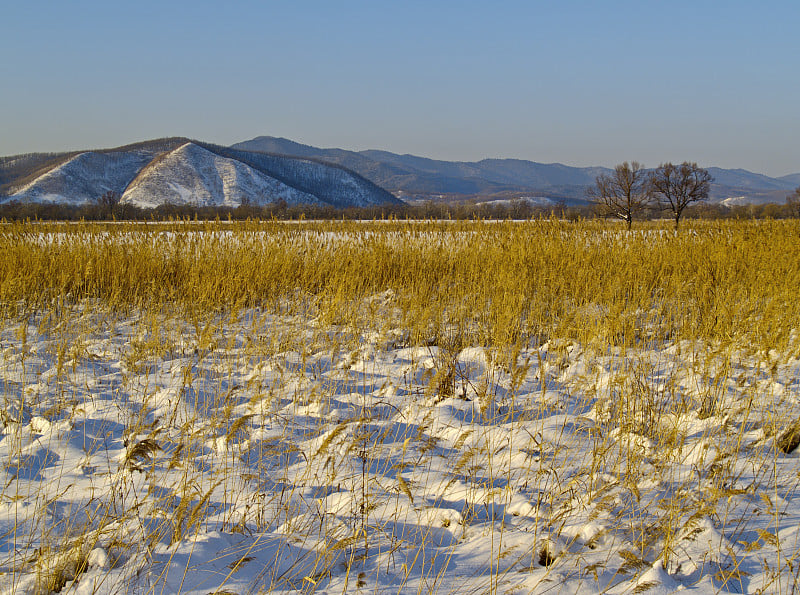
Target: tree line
[
  {"x": 516, "y": 209},
  {"x": 628, "y": 192}
]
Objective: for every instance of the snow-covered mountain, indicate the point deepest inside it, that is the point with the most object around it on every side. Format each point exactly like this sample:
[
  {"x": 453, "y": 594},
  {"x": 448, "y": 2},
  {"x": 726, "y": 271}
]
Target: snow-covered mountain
[
  {"x": 84, "y": 178},
  {"x": 335, "y": 184},
  {"x": 183, "y": 172},
  {"x": 195, "y": 176}
]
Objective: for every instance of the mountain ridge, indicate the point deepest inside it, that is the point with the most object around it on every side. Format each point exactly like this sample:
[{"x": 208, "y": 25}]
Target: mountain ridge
[
  {"x": 179, "y": 170},
  {"x": 411, "y": 175},
  {"x": 274, "y": 169}
]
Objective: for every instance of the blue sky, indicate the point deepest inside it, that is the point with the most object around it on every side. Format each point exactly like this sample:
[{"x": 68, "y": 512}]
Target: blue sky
[{"x": 582, "y": 83}]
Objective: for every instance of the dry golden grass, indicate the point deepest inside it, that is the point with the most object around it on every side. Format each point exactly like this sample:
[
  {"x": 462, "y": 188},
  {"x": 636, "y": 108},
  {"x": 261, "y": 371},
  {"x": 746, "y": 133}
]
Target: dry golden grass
[{"x": 500, "y": 283}]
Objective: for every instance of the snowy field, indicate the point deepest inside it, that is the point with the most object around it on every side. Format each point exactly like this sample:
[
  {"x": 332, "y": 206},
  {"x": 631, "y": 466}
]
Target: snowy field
[{"x": 268, "y": 453}]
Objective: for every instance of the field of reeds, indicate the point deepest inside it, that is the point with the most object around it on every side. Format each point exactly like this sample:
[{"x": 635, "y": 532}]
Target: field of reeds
[{"x": 390, "y": 406}]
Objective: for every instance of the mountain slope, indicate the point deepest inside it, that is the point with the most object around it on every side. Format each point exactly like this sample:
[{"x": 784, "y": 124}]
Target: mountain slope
[
  {"x": 385, "y": 175},
  {"x": 20, "y": 171},
  {"x": 193, "y": 175},
  {"x": 85, "y": 177},
  {"x": 741, "y": 178},
  {"x": 791, "y": 179},
  {"x": 333, "y": 185}
]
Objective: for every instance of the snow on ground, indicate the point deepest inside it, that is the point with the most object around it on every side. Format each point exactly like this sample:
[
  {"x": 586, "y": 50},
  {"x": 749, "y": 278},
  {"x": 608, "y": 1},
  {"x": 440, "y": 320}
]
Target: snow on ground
[{"x": 267, "y": 454}]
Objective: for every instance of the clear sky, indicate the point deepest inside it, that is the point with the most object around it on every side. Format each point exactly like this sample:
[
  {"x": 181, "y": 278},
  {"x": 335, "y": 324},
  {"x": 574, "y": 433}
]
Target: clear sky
[{"x": 581, "y": 83}]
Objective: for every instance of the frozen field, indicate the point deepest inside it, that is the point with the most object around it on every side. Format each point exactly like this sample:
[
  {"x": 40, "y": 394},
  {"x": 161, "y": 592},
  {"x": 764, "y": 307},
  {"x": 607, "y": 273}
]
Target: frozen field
[
  {"x": 144, "y": 454},
  {"x": 399, "y": 407}
]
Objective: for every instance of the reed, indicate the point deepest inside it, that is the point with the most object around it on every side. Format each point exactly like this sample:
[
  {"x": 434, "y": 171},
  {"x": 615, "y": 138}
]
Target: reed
[{"x": 232, "y": 377}]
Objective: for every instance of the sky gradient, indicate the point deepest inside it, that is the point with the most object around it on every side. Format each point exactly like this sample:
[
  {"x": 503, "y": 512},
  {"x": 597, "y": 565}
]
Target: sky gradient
[{"x": 581, "y": 83}]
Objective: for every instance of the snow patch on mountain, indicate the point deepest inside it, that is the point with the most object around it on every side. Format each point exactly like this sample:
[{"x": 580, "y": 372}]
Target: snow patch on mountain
[
  {"x": 84, "y": 178},
  {"x": 195, "y": 176},
  {"x": 735, "y": 201},
  {"x": 530, "y": 201}
]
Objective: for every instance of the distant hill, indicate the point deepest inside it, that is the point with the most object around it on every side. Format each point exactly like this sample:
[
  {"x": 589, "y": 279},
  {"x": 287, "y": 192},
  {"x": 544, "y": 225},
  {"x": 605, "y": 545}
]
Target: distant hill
[
  {"x": 791, "y": 179},
  {"x": 412, "y": 176},
  {"x": 183, "y": 172}
]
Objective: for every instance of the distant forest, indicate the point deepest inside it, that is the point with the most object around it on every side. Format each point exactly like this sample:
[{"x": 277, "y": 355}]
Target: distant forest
[{"x": 110, "y": 210}]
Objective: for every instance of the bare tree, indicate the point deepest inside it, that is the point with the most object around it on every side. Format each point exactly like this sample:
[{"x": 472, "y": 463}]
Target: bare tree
[
  {"x": 793, "y": 202},
  {"x": 109, "y": 199},
  {"x": 623, "y": 193},
  {"x": 678, "y": 186}
]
